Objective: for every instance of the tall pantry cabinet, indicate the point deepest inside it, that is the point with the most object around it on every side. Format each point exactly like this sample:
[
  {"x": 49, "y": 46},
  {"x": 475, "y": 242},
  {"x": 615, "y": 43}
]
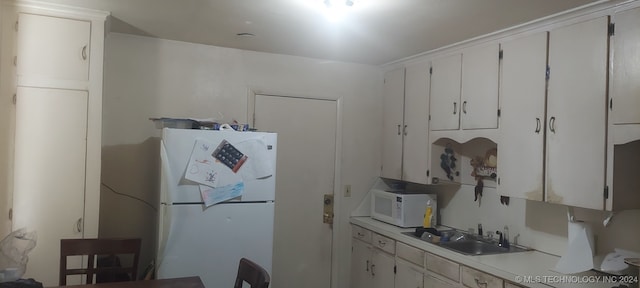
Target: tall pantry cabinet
[{"x": 52, "y": 70}]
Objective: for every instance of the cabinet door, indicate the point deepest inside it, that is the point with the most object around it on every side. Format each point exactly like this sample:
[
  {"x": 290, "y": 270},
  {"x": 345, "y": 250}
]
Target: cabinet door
[
  {"x": 52, "y": 48},
  {"x": 480, "y": 66},
  {"x": 625, "y": 86},
  {"x": 521, "y": 143},
  {"x": 382, "y": 269},
  {"x": 50, "y": 149},
  {"x": 576, "y": 110},
  {"x": 416, "y": 119},
  {"x": 392, "y": 124},
  {"x": 408, "y": 276},
  {"x": 445, "y": 93},
  {"x": 360, "y": 264}
]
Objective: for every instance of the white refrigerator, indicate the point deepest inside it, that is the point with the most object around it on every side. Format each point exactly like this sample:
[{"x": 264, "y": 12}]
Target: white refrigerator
[{"x": 208, "y": 241}]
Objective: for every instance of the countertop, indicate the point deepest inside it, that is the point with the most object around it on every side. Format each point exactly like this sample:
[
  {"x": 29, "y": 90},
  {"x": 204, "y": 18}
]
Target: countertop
[{"x": 529, "y": 268}]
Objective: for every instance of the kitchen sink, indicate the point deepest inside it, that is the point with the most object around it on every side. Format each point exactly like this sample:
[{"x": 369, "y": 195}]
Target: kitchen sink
[
  {"x": 469, "y": 245},
  {"x": 478, "y": 247}
]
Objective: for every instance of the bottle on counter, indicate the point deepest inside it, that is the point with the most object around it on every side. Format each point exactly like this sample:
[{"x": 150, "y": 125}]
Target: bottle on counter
[{"x": 428, "y": 216}]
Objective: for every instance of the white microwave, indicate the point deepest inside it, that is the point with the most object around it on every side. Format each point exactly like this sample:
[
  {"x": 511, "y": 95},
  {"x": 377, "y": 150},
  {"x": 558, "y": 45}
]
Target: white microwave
[{"x": 404, "y": 210}]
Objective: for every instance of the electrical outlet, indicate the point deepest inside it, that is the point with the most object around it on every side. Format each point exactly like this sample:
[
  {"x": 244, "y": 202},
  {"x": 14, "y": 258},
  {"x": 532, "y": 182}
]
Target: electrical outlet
[{"x": 347, "y": 190}]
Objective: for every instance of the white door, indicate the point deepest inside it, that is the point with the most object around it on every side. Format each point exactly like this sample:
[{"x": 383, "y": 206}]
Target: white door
[
  {"x": 382, "y": 269},
  {"x": 444, "y": 104},
  {"x": 392, "y": 124},
  {"x": 360, "y": 264},
  {"x": 416, "y": 144},
  {"x": 576, "y": 114},
  {"x": 51, "y": 135},
  {"x": 306, "y": 168},
  {"x": 480, "y": 65},
  {"x": 522, "y": 100},
  {"x": 408, "y": 275},
  {"x": 625, "y": 86},
  {"x": 53, "y": 48}
]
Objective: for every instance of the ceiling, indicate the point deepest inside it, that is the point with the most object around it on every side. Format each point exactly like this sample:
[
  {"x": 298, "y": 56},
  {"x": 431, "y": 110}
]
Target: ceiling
[{"x": 370, "y": 32}]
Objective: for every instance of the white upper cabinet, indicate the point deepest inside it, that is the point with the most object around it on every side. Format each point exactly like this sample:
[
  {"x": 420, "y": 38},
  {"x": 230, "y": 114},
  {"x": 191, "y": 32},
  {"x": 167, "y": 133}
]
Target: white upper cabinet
[
  {"x": 406, "y": 124},
  {"x": 416, "y": 120},
  {"x": 522, "y": 102},
  {"x": 393, "y": 124},
  {"x": 624, "y": 84},
  {"x": 480, "y": 67},
  {"x": 464, "y": 92},
  {"x": 52, "y": 48},
  {"x": 576, "y": 114},
  {"x": 445, "y": 93}
]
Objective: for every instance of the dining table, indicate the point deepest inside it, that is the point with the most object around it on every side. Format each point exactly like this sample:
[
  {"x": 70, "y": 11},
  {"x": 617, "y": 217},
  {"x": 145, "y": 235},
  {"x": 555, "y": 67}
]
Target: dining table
[{"x": 183, "y": 282}]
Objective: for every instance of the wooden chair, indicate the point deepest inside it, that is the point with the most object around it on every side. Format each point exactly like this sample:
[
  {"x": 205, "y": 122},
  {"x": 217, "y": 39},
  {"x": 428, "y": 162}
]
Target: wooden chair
[
  {"x": 108, "y": 252},
  {"x": 253, "y": 274}
]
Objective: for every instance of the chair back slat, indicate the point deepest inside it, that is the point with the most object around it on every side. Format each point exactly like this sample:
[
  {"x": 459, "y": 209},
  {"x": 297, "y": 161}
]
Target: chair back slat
[
  {"x": 252, "y": 273},
  {"x": 92, "y": 248}
]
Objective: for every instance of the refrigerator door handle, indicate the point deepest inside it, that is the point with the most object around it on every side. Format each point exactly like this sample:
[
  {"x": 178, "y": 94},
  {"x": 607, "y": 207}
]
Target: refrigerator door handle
[{"x": 164, "y": 211}]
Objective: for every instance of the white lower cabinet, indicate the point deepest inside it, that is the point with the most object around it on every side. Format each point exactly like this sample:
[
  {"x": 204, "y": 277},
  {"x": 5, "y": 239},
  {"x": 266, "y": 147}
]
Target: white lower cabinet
[
  {"x": 408, "y": 275},
  {"x": 360, "y": 264},
  {"x": 382, "y": 269},
  {"x": 372, "y": 260},
  {"x": 383, "y": 262}
]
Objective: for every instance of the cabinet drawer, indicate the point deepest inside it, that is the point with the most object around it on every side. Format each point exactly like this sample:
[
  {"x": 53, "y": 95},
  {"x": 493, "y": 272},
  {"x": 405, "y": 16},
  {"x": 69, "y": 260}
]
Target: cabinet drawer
[
  {"x": 431, "y": 281},
  {"x": 411, "y": 254},
  {"x": 476, "y": 279},
  {"x": 384, "y": 243},
  {"x": 361, "y": 233},
  {"x": 444, "y": 267}
]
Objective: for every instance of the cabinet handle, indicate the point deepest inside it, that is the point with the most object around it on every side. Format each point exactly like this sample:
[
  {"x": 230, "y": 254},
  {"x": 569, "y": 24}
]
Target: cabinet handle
[
  {"x": 79, "y": 225},
  {"x": 464, "y": 107},
  {"x": 10, "y": 214},
  {"x": 404, "y": 131},
  {"x": 480, "y": 284},
  {"x": 537, "y": 125},
  {"x": 381, "y": 243},
  {"x": 398, "y": 129},
  {"x": 373, "y": 273},
  {"x": 455, "y": 108},
  {"x": 552, "y": 124},
  {"x": 360, "y": 234},
  {"x": 84, "y": 52},
  {"x": 367, "y": 268}
]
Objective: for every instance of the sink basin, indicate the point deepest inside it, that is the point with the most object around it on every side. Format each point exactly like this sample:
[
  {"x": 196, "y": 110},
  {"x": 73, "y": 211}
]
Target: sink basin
[
  {"x": 470, "y": 246},
  {"x": 476, "y": 247}
]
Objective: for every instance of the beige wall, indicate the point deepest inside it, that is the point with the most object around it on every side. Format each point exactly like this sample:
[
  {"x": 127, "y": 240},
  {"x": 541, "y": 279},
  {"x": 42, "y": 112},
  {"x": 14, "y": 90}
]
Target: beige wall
[{"x": 146, "y": 77}]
